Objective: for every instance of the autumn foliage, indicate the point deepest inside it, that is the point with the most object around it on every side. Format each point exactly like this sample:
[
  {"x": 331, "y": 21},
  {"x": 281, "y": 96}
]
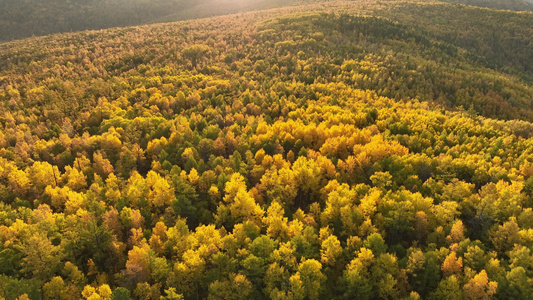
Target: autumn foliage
[{"x": 267, "y": 156}]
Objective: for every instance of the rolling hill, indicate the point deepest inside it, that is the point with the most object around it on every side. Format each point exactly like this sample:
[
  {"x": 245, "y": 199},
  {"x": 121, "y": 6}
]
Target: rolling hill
[
  {"x": 22, "y": 19},
  {"x": 334, "y": 150},
  {"x": 517, "y": 5}
]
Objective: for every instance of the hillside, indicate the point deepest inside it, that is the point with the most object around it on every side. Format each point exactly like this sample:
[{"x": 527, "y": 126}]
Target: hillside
[
  {"x": 499, "y": 40},
  {"x": 340, "y": 150},
  {"x": 517, "y": 5},
  {"x": 21, "y": 19}
]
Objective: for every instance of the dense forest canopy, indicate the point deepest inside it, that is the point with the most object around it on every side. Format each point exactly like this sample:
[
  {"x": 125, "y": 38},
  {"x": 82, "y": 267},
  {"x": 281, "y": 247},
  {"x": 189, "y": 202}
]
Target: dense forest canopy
[{"x": 340, "y": 150}]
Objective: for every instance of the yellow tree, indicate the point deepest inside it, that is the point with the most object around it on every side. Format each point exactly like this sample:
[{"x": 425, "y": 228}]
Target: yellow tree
[
  {"x": 138, "y": 264},
  {"x": 505, "y": 237},
  {"x": 56, "y": 289},
  {"x": 330, "y": 251},
  {"x": 309, "y": 280},
  {"x": 160, "y": 193},
  {"x": 43, "y": 174},
  {"x": 338, "y": 199},
  {"x": 102, "y": 165},
  {"x": 308, "y": 177},
  {"x": 158, "y": 238},
  {"x": 19, "y": 181},
  {"x": 241, "y": 204},
  {"x": 136, "y": 190},
  {"x": 237, "y": 287},
  {"x": 357, "y": 276},
  {"x": 103, "y": 292},
  {"x": 276, "y": 222},
  {"x": 75, "y": 179},
  {"x": 480, "y": 287},
  {"x": 452, "y": 265},
  {"x": 457, "y": 233},
  {"x": 187, "y": 274},
  {"x": 112, "y": 190}
]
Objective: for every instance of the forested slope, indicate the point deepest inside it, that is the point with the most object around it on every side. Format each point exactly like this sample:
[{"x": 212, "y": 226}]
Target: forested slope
[
  {"x": 499, "y": 40},
  {"x": 22, "y": 19},
  {"x": 517, "y": 5},
  {"x": 26, "y": 18},
  {"x": 344, "y": 150}
]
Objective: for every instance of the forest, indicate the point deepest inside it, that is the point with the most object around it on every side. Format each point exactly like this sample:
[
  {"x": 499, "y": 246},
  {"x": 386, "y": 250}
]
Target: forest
[
  {"x": 26, "y": 18},
  {"x": 517, "y": 5},
  {"x": 340, "y": 150}
]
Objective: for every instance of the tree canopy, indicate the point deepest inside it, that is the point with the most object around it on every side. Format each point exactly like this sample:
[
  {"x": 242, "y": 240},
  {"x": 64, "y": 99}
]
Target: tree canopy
[{"x": 355, "y": 152}]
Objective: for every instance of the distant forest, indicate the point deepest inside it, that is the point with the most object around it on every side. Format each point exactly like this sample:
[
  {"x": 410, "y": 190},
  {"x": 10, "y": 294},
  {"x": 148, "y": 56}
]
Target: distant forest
[
  {"x": 26, "y": 18},
  {"x": 517, "y": 5}
]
